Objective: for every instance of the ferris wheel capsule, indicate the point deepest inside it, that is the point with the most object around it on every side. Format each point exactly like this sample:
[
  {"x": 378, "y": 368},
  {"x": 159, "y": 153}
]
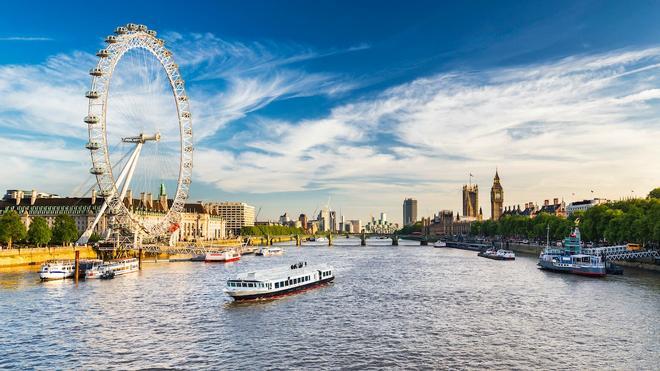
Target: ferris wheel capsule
[
  {"x": 92, "y": 94},
  {"x": 91, "y": 119},
  {"x": 142, "y": 28},
  {"x": 93, "y": 146},
  {"x": 103, "y": 53},
  {"x": 96, "y": 72},
  {"x": 152, "y": 33},
  {"x": 121, "y": 30},
  {"x": 185, "y": 114},
  {"x": 112, "y": 39},
  {"x": 97, "y": 170},
  {"x": 131, "y": 26}
]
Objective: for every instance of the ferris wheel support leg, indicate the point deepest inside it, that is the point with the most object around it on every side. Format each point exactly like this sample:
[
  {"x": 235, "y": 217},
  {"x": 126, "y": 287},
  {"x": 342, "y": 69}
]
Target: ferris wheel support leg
[
  {"x": 128, "y": 168},
  {"x": 131, "y": 170}
]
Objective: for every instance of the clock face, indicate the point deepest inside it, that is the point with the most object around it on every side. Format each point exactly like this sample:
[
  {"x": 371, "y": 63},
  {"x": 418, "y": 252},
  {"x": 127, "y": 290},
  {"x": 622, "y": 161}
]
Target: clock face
[{"x": 498, "y": 196}]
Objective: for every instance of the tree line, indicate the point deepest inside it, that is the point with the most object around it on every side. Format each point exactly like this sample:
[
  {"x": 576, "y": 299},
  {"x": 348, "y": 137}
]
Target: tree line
[
  {"x": 12, "y": 230},
  {"x": 270, "y": 230},
  {"x": 635, "y": 220}
]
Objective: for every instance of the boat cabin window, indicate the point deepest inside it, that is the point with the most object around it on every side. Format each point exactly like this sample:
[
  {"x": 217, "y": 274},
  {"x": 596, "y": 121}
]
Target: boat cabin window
[{"x": 277, "y": 285}]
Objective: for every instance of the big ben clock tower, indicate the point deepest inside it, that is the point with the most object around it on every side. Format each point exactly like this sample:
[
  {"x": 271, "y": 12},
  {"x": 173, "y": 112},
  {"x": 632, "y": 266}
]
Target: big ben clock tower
[{"x": 496, "y": 198}]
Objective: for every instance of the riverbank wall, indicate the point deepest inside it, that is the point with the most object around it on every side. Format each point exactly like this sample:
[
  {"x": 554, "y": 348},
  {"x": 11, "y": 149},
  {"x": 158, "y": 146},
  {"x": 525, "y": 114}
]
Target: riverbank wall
[{"x": 38, "y": 255}]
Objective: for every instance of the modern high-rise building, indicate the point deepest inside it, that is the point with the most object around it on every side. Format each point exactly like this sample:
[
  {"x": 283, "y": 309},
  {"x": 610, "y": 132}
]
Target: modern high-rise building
[
  {"x": 333, "y": 221},
  {"x": 496, "y": 198},
  {"x": 471, "y": 201},
  {"x": 237, "y": 215},
  {"x": 324, "y": 219},
  {"x": 409, "y": 211},
  {"x": 383, "y": 217}
]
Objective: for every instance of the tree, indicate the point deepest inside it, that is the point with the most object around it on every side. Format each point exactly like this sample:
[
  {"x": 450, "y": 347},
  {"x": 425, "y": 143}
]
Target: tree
[
  {"x": 11, "y": 228},
  {"x": 655, "y": 193},
  {"x": 64, "y": 229},
  {"x": 39, "y": 232}
]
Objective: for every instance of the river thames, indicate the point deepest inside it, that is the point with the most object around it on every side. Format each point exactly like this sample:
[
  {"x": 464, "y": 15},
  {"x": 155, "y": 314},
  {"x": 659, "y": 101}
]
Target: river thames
[{"x": 389, "y": 307}]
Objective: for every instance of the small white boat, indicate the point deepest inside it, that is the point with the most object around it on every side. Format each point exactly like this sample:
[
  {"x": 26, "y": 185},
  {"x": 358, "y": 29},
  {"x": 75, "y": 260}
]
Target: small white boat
[
  {"x": 268, "y": 251},
  {"x": 278, "y": 282},
  {"x": 498, "y": 254},
  {"x": 439, "y": 243},
  {"x": 506, "y": 255},
  {"x": 57, "y": 270},
  {"x": 118, "y": 266},
  {"x": 222, "y": 256}
]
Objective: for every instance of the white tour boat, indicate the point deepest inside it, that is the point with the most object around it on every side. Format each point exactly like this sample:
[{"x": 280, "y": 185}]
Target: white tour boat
[
  {"x": 57, "y": 270},
  {"x": 118, "y": 266},
  {"x": 278, "y": 282},
  {"x": 439, "y": 243},
  {"x": 268, "y": 251},
  {"x": 222, "y": 256},
  {"x": 62, "y": 269}
]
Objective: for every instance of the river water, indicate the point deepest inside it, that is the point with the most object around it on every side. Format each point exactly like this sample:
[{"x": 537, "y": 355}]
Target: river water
[{"x": 389, "y": 307}]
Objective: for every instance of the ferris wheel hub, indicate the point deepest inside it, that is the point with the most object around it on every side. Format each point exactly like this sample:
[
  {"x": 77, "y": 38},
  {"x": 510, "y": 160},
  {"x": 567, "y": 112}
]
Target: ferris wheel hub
[{"x": 142, "y": 138}]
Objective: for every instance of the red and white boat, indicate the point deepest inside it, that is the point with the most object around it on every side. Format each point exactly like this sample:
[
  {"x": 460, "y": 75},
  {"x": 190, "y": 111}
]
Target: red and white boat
[{"x": 222, "y": 256}]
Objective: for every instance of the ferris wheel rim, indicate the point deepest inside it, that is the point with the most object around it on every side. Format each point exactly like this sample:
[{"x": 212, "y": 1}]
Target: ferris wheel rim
[{"x": 128, "y": 38}]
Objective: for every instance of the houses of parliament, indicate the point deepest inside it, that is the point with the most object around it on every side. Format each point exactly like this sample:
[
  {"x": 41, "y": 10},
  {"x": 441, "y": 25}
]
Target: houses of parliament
[
  {"x": 471, "y": 209},
  {"x": 445, "y": 223}
]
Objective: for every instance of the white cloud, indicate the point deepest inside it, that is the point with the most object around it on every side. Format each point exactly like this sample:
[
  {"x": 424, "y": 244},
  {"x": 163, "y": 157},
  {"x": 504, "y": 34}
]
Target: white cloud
[
  {"x": 553, "y": 129},
  {"x": 25, "y": 38},
  {"x": 47, "y": 99}
]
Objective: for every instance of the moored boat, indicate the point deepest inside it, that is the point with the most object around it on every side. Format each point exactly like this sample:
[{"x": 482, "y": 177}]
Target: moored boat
[
  {"x": 117, "y": 266},
  {"x": 278, "y": 282},
  {"x": 62, "y": 269},
  {"x": 571, "y": 259},
  {"x": 268, "y": 251},
  {"x": 439, "y": 243},
  {"x": 57, "y": 270},
  {"x": 222, "y": 256}
]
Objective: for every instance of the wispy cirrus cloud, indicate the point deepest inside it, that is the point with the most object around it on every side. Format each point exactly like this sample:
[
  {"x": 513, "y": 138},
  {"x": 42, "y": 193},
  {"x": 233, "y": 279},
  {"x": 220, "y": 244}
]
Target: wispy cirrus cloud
[
  {"x": 552, "y": 128},
  {"x": 25, "y": 38},
  {"x": 225, "y": 80}
]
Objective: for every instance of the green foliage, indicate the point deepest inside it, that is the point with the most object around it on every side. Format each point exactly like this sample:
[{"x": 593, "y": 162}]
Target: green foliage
[
  {"x": 636, "y": 220},
  {"x": 64, "y": 230},
  {"x": 39, "y": 232},
  {"x": 11, "y": 228},
  {"x": 409, "y": 229},
  {"x": 270, "y": 230},
  {"x": 655, "y": 193}
]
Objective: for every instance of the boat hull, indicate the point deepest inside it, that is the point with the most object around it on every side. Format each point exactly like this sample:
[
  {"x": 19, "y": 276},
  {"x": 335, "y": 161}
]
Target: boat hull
[
  {"x": 220, "y": 258},
  {"x": 582, "y": 271},
  {"x": 55, "y": 275},
  {"x": 281, "y": 293}
]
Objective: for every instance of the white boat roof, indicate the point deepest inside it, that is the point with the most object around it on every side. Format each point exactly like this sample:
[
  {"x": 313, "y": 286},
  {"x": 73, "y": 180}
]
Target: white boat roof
[{"x": 281, "y": 273}]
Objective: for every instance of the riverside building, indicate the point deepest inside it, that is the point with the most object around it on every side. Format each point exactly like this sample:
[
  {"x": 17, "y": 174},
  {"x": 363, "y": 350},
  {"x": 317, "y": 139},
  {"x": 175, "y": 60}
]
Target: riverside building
[
  {"x": 236, "y": 214},
  {"x": 197, "y": 223},
  {"x": 584, "y": 205}
]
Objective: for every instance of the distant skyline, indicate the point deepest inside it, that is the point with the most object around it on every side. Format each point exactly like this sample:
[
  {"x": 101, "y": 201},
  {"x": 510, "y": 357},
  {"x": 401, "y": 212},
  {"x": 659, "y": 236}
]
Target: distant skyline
[{"x": 364, "y": 103}]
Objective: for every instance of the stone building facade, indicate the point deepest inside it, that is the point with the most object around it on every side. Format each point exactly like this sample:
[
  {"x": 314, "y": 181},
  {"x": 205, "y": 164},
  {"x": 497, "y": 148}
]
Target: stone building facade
[{"x": 197, "y": 223}]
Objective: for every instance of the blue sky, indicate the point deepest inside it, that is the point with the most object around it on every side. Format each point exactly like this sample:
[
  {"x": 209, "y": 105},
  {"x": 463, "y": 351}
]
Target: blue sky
[{"x": 363, "y": 102}]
